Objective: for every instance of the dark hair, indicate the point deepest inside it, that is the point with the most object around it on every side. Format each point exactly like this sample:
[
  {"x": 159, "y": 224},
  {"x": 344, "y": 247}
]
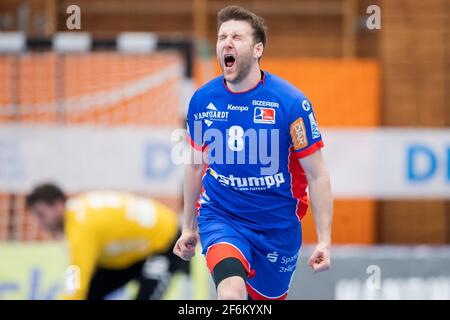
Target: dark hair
[
  {"x": 48, "y": 193},
  {"x": 242, "y": 14}
]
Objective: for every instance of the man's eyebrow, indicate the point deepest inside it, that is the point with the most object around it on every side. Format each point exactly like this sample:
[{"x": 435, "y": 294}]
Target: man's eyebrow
[{"x": 236, "y": 33}]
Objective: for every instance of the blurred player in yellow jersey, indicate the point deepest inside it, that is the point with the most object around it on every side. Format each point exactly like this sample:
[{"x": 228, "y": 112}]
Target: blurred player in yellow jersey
[{"x": 113, "y": 237}]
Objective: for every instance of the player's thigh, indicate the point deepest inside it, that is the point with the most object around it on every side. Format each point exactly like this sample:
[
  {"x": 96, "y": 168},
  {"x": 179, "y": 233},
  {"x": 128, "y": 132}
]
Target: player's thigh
[
  {"x": 220, "y": 240},
  {"x": 275, "y": 259}
]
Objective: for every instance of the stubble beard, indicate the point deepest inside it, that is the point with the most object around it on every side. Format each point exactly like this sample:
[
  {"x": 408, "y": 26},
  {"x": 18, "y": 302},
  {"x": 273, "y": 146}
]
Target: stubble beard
[{"x": 244, "y": 65}]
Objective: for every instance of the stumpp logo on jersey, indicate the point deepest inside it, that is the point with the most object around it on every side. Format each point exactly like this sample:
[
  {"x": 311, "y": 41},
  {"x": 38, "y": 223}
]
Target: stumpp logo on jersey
[{"x": 249, "y": 183}]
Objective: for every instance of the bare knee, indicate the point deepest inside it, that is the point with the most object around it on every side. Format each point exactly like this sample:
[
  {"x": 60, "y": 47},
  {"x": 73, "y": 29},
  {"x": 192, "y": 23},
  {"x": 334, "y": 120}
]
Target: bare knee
[{"x": 232, "y": 288}]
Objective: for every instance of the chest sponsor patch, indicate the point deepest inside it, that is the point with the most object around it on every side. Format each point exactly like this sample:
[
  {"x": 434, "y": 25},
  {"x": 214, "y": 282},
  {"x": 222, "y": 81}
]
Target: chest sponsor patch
[{"x": 264, "y": 115}]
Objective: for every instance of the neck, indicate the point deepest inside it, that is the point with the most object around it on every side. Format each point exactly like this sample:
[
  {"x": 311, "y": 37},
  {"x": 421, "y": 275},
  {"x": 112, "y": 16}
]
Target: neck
[{"x": 249, "y": 82}]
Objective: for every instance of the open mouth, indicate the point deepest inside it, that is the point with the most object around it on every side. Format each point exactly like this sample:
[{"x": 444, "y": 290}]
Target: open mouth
[{"x": 229, "y": 60}]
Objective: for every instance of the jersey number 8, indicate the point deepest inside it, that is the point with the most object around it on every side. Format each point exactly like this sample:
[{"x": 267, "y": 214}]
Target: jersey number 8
[{"x": 236, "y": 138}]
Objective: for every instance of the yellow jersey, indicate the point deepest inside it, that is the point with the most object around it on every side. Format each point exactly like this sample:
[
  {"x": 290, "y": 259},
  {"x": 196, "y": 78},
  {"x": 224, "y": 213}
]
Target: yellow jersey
[{"x": 113, "y": 230}]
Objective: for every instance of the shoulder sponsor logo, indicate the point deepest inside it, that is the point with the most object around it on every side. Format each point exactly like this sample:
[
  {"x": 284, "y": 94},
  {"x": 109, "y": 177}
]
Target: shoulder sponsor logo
[
  {"x": 314, "y": 128},
  {"x": 306, "y": 105},
  {"x": 264, "y": 115},
  {"x": 237, "y": 108},
  {"x": 211, "y": 115},
  {"x": 298, "y": 134},
  {"x": 261, "y": 103}
]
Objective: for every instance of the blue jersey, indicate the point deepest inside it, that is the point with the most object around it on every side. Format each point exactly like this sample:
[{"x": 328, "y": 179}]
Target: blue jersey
[{"x": 254, "y": 140}]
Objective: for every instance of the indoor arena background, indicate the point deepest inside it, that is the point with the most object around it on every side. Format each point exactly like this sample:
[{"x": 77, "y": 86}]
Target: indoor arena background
[{"x": 95, "y": 107}]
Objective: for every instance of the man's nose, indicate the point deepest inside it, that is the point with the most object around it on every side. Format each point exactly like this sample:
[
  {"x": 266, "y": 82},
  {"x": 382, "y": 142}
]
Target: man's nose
[{"x": 228, "y": 41}]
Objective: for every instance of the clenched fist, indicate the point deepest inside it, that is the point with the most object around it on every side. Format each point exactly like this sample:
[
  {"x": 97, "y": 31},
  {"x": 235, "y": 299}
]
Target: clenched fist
[
  {"x": 320, "y": 259},
  {"x": 185, "y": 246}
]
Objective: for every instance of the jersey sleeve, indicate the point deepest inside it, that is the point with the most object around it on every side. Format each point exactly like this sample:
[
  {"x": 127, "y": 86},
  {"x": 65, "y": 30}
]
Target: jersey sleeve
[
  {"x": 304, "y": 131},
  {"x": 194, "y": 126}
]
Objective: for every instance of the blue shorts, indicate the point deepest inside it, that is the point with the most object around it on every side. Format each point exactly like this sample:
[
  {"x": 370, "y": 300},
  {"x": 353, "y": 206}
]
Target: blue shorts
[{"x": 269, "y": 256}]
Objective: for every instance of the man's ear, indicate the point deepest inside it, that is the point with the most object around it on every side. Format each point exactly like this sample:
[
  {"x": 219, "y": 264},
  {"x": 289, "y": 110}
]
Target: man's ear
[{"x": 258, "y": 50}]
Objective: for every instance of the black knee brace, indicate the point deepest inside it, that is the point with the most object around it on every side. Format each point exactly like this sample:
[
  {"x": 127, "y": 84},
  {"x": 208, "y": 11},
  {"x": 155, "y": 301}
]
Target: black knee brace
[{"x": 226, "y": 268}]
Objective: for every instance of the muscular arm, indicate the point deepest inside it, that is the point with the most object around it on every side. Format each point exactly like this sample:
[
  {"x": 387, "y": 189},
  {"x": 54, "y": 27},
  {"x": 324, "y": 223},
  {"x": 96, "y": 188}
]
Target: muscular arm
[
  {"x": 185, "y": 246},
  {"x": 322, "y": 206},
  {"x": 191, "y": 190}
]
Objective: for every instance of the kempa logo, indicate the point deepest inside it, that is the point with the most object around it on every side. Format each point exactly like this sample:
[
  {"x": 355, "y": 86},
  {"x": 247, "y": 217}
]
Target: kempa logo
[
  {"x": 265, "y": 182},
  {"x": 237, "y": 108},
  {"x": 272, "y": 257}
]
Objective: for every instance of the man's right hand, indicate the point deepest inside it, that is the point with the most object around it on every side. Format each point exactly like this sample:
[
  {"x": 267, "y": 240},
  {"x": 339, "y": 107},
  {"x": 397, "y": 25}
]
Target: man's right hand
[{"x": 185, "y": 246}]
